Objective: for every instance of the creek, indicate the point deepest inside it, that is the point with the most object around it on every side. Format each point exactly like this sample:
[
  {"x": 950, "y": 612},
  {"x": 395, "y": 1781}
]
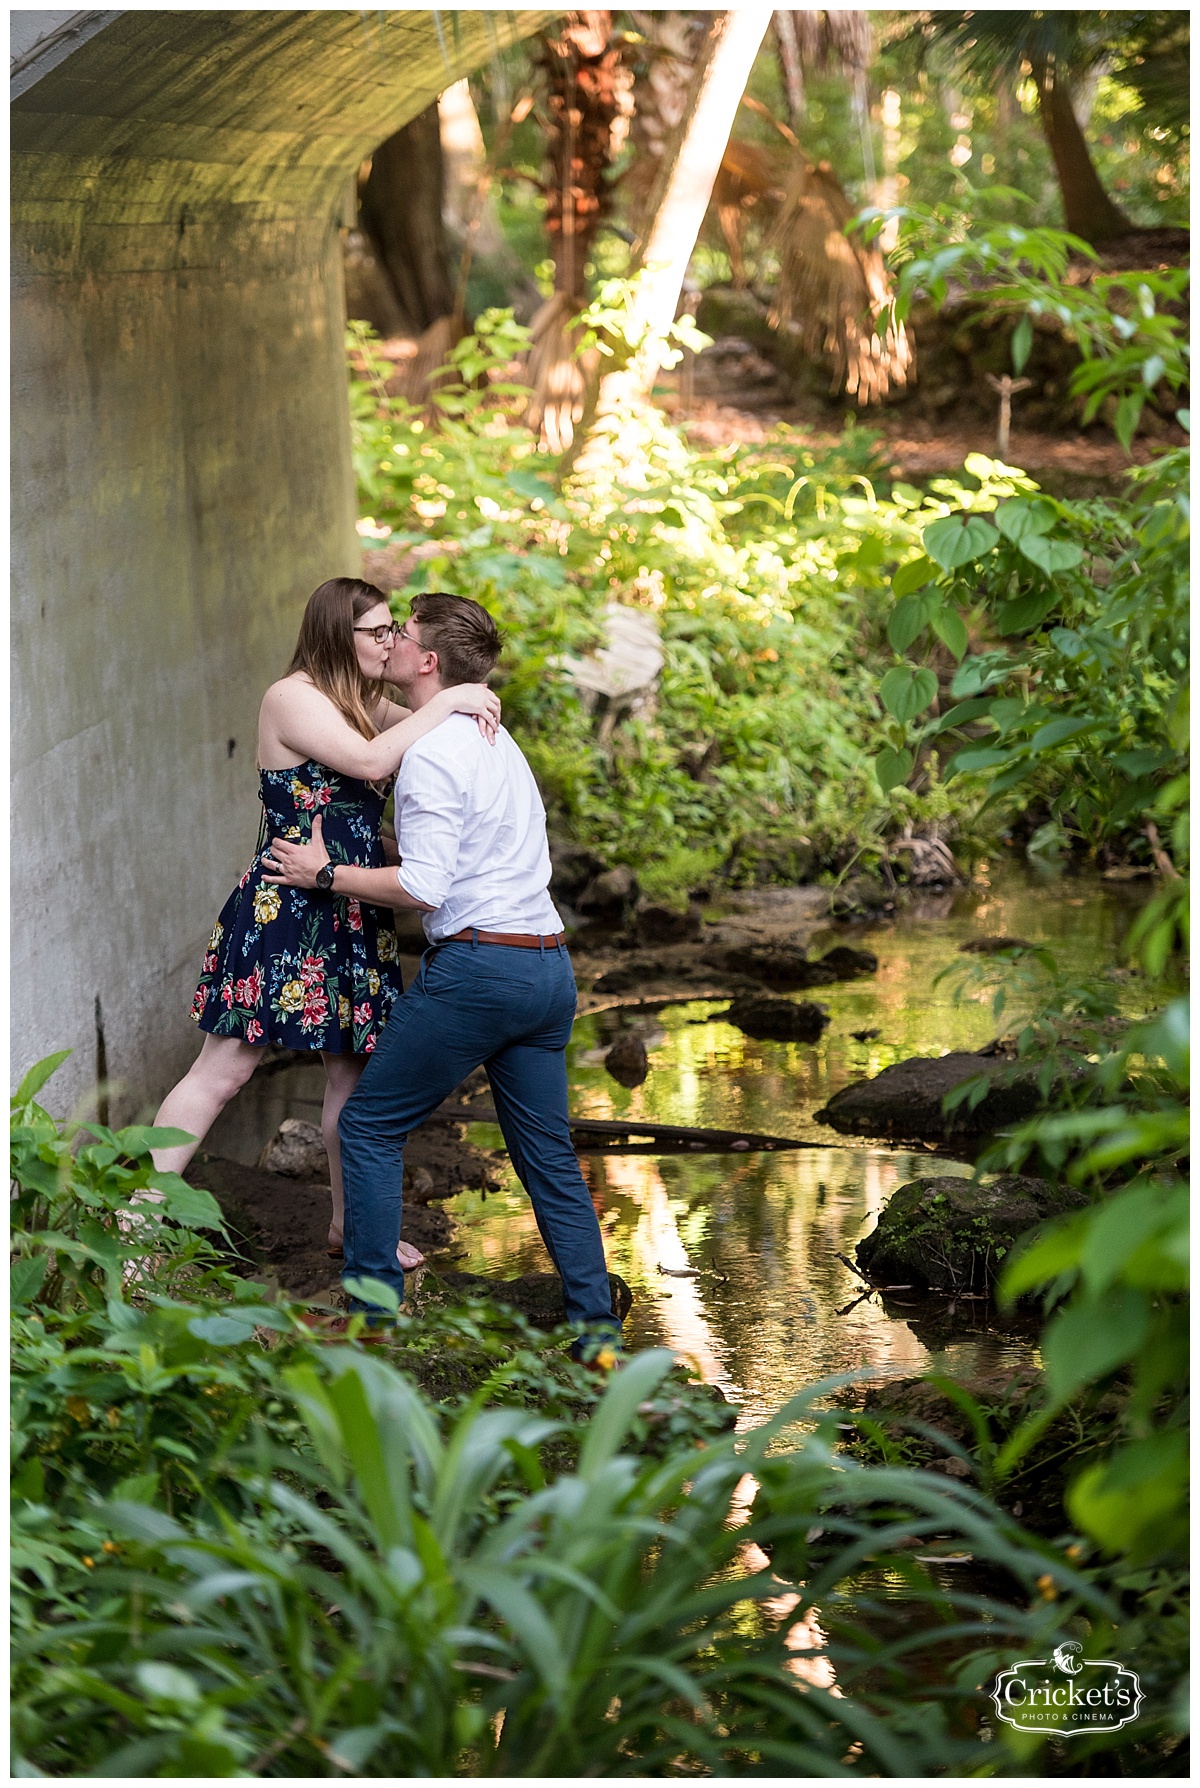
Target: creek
[{"x": 733, "y": 1260}]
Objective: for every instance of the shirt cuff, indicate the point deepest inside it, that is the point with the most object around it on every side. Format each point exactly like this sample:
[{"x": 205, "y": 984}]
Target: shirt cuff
[{"x": 423, "y": 884}]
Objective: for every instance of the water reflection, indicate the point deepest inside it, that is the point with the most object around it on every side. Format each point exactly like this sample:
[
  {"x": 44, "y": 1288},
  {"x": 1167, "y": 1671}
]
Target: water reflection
[{"x": 765, "y": 1312}]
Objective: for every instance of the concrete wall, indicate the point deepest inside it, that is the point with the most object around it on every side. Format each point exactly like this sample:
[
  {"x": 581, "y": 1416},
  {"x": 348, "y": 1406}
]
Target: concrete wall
[{"x": 181, "y": 476}]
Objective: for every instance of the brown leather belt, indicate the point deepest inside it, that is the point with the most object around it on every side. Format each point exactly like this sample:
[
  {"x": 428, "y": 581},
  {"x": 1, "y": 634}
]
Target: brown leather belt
[{"x": 519, "y": 940}]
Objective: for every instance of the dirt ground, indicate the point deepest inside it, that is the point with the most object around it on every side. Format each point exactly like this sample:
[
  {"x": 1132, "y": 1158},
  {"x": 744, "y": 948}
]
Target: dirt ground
[
  {"x": 280, "y": 1225},
  {"x": 1076, "y": 464}
]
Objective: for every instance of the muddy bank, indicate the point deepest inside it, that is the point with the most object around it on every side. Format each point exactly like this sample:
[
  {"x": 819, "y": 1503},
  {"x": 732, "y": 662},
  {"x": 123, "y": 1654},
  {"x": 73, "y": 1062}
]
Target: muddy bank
[{"x": 280, "y": 1221}]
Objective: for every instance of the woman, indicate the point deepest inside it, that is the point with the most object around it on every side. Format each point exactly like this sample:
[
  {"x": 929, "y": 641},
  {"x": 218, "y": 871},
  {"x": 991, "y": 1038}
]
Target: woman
[{"x": 296, "y": 967}]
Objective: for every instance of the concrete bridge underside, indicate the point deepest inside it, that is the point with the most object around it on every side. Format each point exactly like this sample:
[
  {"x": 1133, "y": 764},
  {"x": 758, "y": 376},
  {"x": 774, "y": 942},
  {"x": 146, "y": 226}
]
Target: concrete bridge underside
[{"x": 181, "y": 470}]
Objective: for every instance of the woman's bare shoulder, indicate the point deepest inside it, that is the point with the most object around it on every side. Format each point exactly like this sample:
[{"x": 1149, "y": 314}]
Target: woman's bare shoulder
[{"x": 288, "y": 691}]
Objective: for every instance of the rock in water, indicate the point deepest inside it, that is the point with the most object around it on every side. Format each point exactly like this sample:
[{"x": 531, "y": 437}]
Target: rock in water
[
  {"x": 845, "y": 963},
  {"x": 629, "y": 975},
  {"x": 992, "y": 946},
  {"x": 780, "y": 1021},
  {"x": 608, "y": 895},
  {"x": 784, "y": 966},
  {"x": 627, "y": 1060},
  {"x": 663, "y": 925},
  {"x": 296, "y": 1150},
  {"x": 538, "y": 1296},
  {"x": 953, "y": 1235},
  {"x": 905, "y": 1101}
]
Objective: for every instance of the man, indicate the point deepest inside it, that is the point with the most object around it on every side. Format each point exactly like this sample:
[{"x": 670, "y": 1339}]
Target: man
[{"x": 496, "y": 986}]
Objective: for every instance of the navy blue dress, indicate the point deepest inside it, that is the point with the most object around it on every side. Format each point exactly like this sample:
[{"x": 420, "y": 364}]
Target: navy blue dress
[{"x": 295, "y": 966}]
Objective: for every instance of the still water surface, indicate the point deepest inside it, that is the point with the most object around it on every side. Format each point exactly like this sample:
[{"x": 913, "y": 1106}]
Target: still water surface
[{"x": 761, "y": 1233}]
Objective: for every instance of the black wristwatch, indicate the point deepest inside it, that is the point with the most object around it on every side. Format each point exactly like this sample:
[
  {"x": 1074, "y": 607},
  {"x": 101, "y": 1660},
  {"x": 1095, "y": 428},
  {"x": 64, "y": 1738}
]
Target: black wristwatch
[{"x": 325, "y": 877}]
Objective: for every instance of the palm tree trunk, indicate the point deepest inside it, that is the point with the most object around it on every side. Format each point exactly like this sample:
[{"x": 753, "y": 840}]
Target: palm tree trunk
[
  {"x": 581, "y": 65},
  {"x": 400, "y": 209},
  {"x": 1089, "y": 211},
  {"x": 676, "y": 212}
]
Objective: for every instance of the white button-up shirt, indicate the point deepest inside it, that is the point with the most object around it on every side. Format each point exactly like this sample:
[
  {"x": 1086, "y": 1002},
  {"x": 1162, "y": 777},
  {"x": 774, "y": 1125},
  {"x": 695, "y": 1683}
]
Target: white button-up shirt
[{"x": 472, "y": 834}]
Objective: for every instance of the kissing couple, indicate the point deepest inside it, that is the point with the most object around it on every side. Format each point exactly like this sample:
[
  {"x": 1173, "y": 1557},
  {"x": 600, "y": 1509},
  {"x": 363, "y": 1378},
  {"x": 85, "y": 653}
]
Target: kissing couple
[{"x": 304, "y": 952}]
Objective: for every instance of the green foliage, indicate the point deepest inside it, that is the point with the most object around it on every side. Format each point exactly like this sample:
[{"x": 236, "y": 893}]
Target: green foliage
[
  {"x": 238, "y": 1552},
  {"x": 1130, "y": 328},
  {"x": 764, "y": 565},
  {"x": 1076, "y": 610}
]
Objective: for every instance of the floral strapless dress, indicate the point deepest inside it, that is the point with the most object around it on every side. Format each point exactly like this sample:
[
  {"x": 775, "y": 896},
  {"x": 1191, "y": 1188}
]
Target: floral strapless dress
[{"x": 295, "y": 966}]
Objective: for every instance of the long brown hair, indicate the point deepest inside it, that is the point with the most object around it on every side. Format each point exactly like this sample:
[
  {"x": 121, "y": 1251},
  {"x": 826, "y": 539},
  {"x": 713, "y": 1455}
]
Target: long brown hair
[{"x": 325, "y": 649}]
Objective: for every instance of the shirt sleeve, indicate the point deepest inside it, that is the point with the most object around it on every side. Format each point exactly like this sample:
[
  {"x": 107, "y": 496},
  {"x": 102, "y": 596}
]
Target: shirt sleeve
[{"x": 430, "y": 806}]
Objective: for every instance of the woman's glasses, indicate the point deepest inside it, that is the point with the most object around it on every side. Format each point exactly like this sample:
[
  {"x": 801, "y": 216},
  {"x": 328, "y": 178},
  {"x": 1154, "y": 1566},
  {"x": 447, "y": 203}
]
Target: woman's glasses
[{"x": 381, "y": 634}]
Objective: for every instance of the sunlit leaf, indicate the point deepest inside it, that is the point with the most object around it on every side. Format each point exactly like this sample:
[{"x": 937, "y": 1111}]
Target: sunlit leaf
[
  {"x": 1022, "y": 516},
  {"x": 958, "y": 538},
  {"x": 913, "y": 576},
  {"x": 1050, "y": 556}
]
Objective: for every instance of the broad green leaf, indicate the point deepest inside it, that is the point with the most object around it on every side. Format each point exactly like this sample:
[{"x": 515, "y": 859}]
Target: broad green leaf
[
  {"x": 1133, "y": 1502},
  {"x": 975, "y": 758},
  {"x": 1022, "y": 342},
  {"x": 25, "y": 1279},
  {"x": 189, "y": 1205},
  {"x": 38, "y": 1075},
  {"x": 164, "y": 1682},
  {"x": 1050, "y": 556},
  {"x": 959, "y": 538},
  {"x": 1025, "y": 612},
  {"x": 905, "y": 693},
  {"x": 892, "y": 768},
  {"x": 139, "y": 1139},
  {"x": 909, "y": 619},
  {"x": 1022, "y": 516},
  {"x": 1051, "y": 1250},
  {"x": 951, "y": 629},
  {"x": 1091, "y": 1338},
  {"x": 961, "y": 713},
  {"x": 1056, "y": 732},
  {"x": 1116, "y": 1231},
  {"x": 1125, "y": 422},
  {"x": 222, "y": 1331},
  {"x": 373, "y": 1291},
  {"x": 913, "y": 576}
]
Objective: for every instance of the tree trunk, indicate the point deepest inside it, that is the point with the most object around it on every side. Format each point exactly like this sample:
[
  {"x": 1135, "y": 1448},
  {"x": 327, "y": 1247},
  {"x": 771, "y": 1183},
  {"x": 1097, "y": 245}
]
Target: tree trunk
[
  {"x": 581, "y": 66},
  {"x": 790, "y": 66},
  {"x": 676, "y": 212},
  {"x": 1089, "y": 211},
  {"x": 400, "y": 207}
]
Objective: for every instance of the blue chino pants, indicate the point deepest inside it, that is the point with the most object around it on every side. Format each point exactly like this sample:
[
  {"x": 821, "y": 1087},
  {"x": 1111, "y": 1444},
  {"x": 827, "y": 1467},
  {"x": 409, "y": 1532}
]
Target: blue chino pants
[{"x": 511, "y": 1010}]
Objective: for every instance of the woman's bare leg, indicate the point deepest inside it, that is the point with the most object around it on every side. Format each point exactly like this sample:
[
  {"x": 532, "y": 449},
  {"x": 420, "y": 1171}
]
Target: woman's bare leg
[
  {"x": 222, "y": 1069},
  {"x": 341, "y": 1078}
]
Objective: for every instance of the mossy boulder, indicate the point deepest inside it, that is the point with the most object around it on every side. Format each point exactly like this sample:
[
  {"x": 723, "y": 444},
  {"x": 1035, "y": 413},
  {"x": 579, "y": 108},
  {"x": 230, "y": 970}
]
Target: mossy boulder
[{"x": 951, "y": 1234}]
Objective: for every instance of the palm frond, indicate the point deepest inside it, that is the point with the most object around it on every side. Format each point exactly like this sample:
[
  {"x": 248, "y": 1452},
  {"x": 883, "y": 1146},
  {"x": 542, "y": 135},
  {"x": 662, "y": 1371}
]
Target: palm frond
[{"x": 833, "y": 290}]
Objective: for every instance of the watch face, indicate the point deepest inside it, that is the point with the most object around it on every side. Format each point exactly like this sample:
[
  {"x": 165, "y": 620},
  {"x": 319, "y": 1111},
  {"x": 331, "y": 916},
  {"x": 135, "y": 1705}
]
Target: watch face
[{"x": 325, "y": 876}]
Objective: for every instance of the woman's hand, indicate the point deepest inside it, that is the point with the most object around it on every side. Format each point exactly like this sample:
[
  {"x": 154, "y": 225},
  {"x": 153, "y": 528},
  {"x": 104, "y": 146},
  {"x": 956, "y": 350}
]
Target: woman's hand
[
  {"x": 476, "y": 699},
  {"x": 297, "y": 863}
]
